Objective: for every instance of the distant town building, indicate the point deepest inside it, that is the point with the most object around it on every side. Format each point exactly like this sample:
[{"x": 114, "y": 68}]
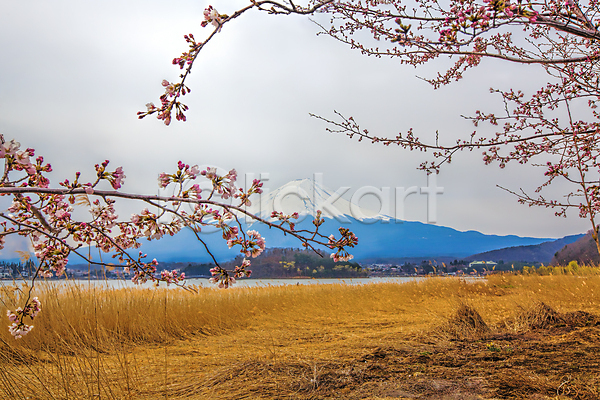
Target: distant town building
[
  {"x": 5, "y": 271},
  {"x": 488, "y": 265},
  {"x": 16, "y": 270}
]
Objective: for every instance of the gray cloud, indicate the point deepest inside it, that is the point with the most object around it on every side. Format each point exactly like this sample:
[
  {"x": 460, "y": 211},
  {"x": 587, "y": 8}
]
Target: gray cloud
[{"x": 73, "y": 74}]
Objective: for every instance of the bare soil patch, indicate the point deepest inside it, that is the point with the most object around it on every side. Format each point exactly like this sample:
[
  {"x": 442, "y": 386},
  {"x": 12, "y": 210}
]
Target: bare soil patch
[{"x": 551, "y": 356}]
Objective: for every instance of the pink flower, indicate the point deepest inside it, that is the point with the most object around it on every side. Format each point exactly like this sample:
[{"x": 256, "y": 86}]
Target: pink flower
[
  {"x": 332, "y": 240},
  {"x": 46, "y": 274},
  {"x": 164, "y": 180},
  {"x": 11, "y": 316},
  {"x": 232, "y": 175},
  {"x": 9, "y": 148},
  {"x": 117, "y": 178},
  {"x": 194, "y": 171},
  {"x": 209, "y": 173},
  {"x": 19, "y": 330},
  {"x": 212, "y": 16},
  {"x": 337, "y": 257},
  {"x": 62, "y": 214},
  {"x": 195, "y": 190},
  {"x": 255, "y": 244},
  {"x": 169, "y": 87},
  {"x": 135, "y": 219},
  {"x": 36, "y": 307}
]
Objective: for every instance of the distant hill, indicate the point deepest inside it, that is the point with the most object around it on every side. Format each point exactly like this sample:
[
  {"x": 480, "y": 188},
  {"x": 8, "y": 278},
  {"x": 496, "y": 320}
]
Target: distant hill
[
  {"x": 542, "y": 253},
  {"x": 583, "y": 251},
  {"x": 380, "y": 236},
  {"x": 296, "y": 263}
]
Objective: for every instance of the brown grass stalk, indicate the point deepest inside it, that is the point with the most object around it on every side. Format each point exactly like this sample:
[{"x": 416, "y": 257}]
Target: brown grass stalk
[{"x": 314, "y": 341}]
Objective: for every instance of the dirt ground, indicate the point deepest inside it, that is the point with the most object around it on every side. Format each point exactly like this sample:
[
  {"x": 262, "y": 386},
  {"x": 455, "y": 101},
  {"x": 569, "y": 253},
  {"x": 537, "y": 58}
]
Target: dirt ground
[
  {"x": 551, "y": 356},
  {"x": 440, "y": 339}
]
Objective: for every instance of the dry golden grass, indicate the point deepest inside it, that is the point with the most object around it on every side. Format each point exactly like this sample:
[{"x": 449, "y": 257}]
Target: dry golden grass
[{"x": 321, "y": 341}]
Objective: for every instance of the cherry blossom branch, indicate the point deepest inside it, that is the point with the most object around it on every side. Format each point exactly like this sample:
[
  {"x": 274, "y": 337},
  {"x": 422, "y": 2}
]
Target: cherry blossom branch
[
  {"x": 45, "y": 215},
  {"x": 444, "y": 153},
  {"x": 170, "y": 100},
  {"x": 418, "y": 31}
]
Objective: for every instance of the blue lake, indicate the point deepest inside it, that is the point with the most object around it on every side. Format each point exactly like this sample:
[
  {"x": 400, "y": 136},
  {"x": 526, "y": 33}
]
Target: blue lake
[{"x": 203, "y": 282}]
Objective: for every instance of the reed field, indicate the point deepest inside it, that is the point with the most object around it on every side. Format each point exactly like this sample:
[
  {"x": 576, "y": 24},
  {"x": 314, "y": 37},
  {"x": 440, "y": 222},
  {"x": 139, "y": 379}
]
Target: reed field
[{"x": 505, "y": 336}]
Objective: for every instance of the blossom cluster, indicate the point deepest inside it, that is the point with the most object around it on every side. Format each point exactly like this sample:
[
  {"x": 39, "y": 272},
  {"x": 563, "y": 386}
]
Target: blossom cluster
[
  {"x": 46, "y": 216},
  {"x": 169, "y": 102},
  {"x": 285, "y": 219},
  {"x": 18, "y": 328},
  {"x": 187, "y": 58},
  {"x": 145, "y": 271},
  {"x": 184, "y": 172},
  {"x": 224, "y": 278},
  {"x": 347, "y": 239},
  {"x": 212, "y": 16},
  {"x": 173, "y": 276},
  {"x": 223, "y": 185},
  {"x": 469, "y": 17},
  {"x": 253, "y": 244},
  {"x": 255, "y": 188},
  {"x": 170, "y": 99}
]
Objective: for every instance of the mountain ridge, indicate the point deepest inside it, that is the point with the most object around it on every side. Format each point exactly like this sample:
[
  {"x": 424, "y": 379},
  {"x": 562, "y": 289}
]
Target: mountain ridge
[
  {"x": 584, "y": 251},
  {"x": 541, "y": 253},
  {"x": 379, "y": 235}
]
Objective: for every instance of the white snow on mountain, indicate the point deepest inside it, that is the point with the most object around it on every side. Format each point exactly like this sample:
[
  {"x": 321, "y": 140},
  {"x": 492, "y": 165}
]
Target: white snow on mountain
[{"x": 306, "y": 196}]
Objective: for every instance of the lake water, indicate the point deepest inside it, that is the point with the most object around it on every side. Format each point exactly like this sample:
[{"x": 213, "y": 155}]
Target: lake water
[{"x": 203, "y": 282}]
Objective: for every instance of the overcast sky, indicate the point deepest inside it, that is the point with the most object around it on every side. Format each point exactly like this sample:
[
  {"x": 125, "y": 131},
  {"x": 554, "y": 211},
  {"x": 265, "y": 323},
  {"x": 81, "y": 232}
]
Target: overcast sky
[{"x": 73, "y": 74}]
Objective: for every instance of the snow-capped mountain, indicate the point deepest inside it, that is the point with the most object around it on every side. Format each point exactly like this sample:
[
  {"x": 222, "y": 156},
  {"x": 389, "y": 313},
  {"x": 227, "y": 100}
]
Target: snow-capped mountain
[
  {"x": 379, "y": 235},
  {"x": 306, "y": 196}
]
